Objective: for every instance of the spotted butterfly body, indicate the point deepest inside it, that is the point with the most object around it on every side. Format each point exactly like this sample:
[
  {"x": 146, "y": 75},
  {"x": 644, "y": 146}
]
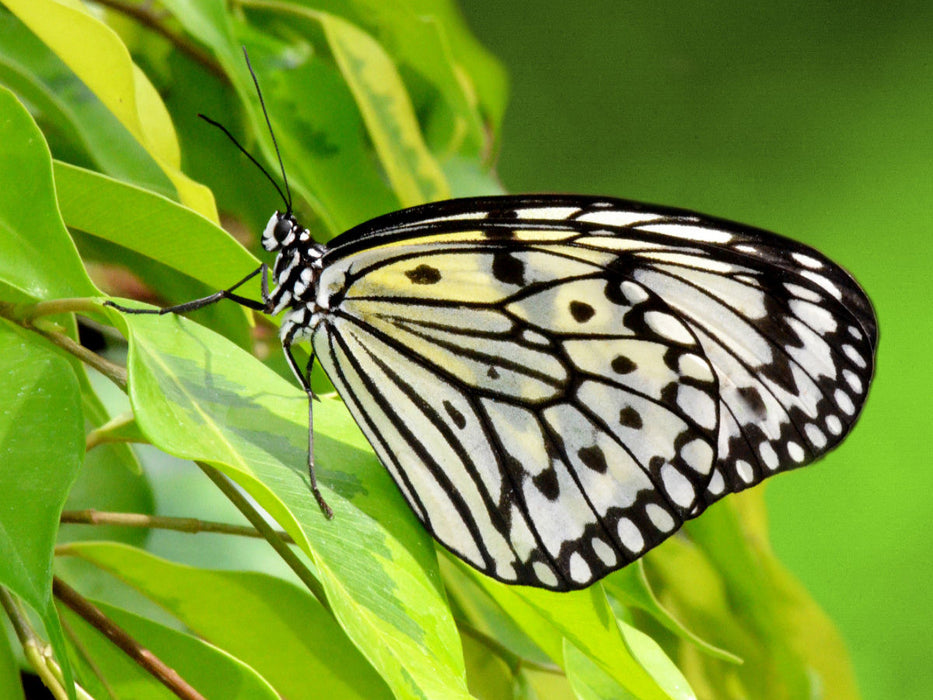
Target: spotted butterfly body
[{"x": 556, "y": 383}]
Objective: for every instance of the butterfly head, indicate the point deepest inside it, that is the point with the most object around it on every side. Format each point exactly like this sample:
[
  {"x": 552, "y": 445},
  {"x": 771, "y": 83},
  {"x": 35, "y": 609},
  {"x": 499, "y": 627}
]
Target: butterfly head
[{"x": 282, "y": 231}]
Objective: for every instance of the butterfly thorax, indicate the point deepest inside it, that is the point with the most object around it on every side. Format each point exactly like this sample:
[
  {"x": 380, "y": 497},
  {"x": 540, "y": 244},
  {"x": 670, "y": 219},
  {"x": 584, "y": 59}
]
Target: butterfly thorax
[{"x": 295, "y": 274}]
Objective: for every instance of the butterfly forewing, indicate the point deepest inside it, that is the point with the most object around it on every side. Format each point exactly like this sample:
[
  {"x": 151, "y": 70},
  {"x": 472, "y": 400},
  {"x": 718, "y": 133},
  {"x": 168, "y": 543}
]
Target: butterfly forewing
[{"x": 556, "y": 383}]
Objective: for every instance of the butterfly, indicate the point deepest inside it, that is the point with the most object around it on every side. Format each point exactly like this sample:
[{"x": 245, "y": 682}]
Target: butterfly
[{"x": 556, "y": 383}]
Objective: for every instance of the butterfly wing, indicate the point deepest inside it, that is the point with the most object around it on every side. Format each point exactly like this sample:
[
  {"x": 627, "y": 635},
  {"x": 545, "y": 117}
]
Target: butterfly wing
[{"x": 557, "y": 383}]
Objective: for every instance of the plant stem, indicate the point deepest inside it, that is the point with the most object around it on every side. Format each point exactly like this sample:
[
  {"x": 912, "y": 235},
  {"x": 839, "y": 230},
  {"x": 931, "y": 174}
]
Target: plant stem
[
  {"x": 268, "y": 533},
  {"x": 161, "y": 522},
  {"x": 166, "y": 675},
  {"x": 77, "y": 305},
  {"x": 27, "y": 316},
  {"x": 113, "y": 372},
  {"x": 151, "y": 20}
]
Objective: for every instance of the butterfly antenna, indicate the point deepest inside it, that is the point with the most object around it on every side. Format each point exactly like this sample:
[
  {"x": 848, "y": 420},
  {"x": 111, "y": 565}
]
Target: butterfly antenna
[
  {"x": 249, "y": 155},
  {"x": 275, "y": 143}
]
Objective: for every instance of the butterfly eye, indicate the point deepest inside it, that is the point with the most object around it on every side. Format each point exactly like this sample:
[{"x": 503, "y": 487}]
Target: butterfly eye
[
  {"x": 283, "y": 228},
  {"x": 279, "y": 231}
]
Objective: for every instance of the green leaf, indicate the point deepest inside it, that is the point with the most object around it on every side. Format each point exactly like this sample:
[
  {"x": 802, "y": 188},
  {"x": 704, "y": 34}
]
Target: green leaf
[
  {"x": 387, "y": 112},
  {"x": 38, "y": 261},
  {"x": 41, "y": 448},
  {"x": 186, "y": 246},
  {"x": 488, "y": 675},
  {"x": 211, "y": 671},
  {"x": 77, "y": 125},
  {"x": 465, "y": 87},
  {"x": 588, "y": 680},
  {"x": 474, "y": 604},
  {"x": 98, "y": 57},
  {"x": 151, "y": 225},
  {"x": 630, "y": 586},
  {"x": 585, "y": 619},
  {"x": 199, "y": 397},
  {"x": 274, "y": 626},
  {"x": 796, "y": 650},
  {"x": 327, "y": 155}
]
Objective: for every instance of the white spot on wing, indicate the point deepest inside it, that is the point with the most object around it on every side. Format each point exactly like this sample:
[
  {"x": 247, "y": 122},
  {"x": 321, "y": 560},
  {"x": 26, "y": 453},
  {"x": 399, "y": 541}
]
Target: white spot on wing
[
  {"x": 853, "y": 380},
  {"x": 630, "y": 535},
  {"x": 803, "y": 292},
  {"x": 677, "y": 486},
  {"x": 768, "y": 455},
  {"x": 690, "y": 261},
  {"x": 698, "y": 455},
  {"x": 549, "y": 213},
  {"x": 535, "y": 338},
  {"x": 544, "y": 574},
  {"x": 606, "y": 554},
  {"x": 690, "y": 232},
  {"x": 659, "y": 517},
  {"x": 616, "y": 217},
  {"x": 854, "y": 355},
  {"x": 716, "y": 484},
  {"x": 668, "y": 327},
  {"x": 476, "y": 214},
  {"x": 844, "y": 402},
  {"x": 807, "y": 261},
  {"x": 795, "y": 451},
  {"x": 833, "y": 424},
  {"x": 695, "y": 367},
  {"x": 818, "y": 318},
  {"x": 698, "y": 405},
  {"x": 634, "y": 293},
  {"x": 744, "y": 470},
  {"x": 580, "y": 571},
  {"x": 816, "y": 436},
  {"x": 823, "y": 282}
]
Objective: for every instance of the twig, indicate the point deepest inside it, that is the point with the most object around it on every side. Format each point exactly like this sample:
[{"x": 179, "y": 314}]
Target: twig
[
  {"x": 166, "y": 675},
  {"x": 113, "y": 372},
  {"x": 268, "y": 533},
  {"x": 26, "y": 316},
  {"x": 162, "y": 522},
  {"x": 151, "y": 20}
]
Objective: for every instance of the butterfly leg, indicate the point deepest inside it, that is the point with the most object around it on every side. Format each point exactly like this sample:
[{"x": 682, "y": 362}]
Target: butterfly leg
[
  {"x": 212, "y": 299},
  {"x": 304, "y": 378}
]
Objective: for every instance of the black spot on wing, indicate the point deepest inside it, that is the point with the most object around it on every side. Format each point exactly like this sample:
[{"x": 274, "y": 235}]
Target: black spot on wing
[
  {"x": 623, "y": 365},
  {"x": 593, "y": 458},
  {"x": 752, "y": 400},
  {"x": 546, "y": 483},
  {"x": 455, "y": 415},
  {"x": 581, "y": 311},
  {"x": 508, "y": 269},
  {"x": 630, "y": 418},
  {"x": 424, "y": 274}
]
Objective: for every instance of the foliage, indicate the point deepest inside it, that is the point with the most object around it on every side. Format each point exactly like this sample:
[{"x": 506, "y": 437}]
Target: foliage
[{"x": 105, "y": 168}]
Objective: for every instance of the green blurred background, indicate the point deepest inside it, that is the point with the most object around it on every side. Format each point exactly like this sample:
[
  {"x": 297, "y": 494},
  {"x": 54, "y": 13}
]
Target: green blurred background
[{"x": 811, "y": 119}]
